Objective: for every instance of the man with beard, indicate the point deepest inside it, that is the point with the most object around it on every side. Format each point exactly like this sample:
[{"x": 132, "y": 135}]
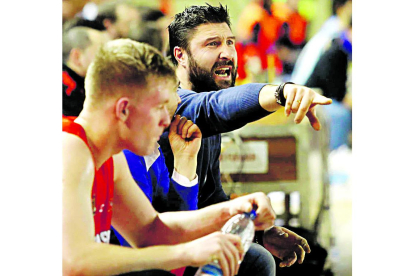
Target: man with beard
[{"x": 202, "y": 46}]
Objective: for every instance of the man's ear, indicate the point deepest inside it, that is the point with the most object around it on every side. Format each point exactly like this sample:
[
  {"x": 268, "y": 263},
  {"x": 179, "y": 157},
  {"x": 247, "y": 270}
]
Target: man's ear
[
  {"x": 107, "y": 23},
  {"x": 75, "y": 57},
  {"x": 181, "y": 56},
  {"x": 109, "y": 26},
  {"x": 122, "y": 108}
]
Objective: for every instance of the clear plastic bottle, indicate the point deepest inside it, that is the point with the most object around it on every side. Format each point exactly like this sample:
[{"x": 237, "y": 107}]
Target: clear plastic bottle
[{"x": 241, "y": 225}]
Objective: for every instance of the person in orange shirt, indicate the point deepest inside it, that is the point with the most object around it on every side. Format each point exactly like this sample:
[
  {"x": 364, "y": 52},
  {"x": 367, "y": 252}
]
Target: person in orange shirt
[{"x": 272, "y": 32}]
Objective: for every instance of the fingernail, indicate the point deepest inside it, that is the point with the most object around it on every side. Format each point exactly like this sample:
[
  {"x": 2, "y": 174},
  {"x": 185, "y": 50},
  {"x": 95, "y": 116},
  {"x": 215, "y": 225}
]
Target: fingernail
[{"x": 281, "y": 233}]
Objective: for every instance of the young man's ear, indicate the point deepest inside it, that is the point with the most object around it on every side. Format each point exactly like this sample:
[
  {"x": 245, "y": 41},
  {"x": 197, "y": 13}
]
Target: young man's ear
[
  {"x": 122, "y": 109},
  {"x": 181, "y": 56}
]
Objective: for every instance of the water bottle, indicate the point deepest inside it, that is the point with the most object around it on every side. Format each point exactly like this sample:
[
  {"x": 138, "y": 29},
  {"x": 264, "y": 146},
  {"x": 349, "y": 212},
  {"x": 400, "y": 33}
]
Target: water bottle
[{"x": 241, "y": 225}]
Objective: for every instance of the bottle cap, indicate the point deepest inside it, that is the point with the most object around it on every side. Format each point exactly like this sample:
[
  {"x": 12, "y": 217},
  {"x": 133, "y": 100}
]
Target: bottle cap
[{"x": 252, "y": 214}]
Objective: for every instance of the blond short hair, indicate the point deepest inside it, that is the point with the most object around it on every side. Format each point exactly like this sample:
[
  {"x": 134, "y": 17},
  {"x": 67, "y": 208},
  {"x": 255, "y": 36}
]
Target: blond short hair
[{"x": 123, "y": 64}]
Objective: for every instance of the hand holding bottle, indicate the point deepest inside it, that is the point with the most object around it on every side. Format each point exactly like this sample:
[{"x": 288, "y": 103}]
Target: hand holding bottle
[
  {"x": 241, "y": 225},
  {"x": 259, "y": 201},
  {"x": 226, "y": 250}
]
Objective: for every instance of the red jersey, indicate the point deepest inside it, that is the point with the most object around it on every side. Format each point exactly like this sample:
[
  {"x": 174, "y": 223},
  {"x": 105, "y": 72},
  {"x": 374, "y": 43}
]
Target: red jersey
[{"x": 102, "y": 189}]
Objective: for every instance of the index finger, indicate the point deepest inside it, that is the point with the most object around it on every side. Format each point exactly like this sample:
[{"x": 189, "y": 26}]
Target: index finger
[
  {"x": 322, "y": 100},
  {"x": 174, "y": 123},
  {"x": 236, "y": 240}
]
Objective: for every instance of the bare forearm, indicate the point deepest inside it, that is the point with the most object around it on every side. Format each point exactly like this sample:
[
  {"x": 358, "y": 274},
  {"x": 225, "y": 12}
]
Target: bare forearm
[
  {"x": 178, "y": 227},
  {"x": 186, "y": 166},
  {"x": 105, "y": 259}
]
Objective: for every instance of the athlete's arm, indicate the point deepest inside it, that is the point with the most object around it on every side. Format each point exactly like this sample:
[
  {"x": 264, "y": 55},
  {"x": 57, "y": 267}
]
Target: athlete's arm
[
  {"x": 140, "y": 225},
  {"x": 83, "y": 256}
]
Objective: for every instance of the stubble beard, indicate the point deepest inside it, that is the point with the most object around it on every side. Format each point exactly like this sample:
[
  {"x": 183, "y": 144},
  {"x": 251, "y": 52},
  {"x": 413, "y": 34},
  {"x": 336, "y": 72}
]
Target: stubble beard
[{"x": 203, "y": 80}]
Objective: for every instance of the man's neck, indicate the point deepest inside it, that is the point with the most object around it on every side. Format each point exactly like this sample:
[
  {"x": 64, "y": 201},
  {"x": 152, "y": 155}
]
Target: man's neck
[
  {"x": 183, "y": 77},
  {"x": 75, "y": 68},
  {"x": 101, "y": 136}
]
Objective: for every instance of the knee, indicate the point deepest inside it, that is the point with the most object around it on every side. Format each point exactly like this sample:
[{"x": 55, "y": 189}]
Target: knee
[{"x": 258, "y": 261}]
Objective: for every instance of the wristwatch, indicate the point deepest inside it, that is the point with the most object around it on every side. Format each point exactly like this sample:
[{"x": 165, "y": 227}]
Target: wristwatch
[{"x": 280, "y": 98}]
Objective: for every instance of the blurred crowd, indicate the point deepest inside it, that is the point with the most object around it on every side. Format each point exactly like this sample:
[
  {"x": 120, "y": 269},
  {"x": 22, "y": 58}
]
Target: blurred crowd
[{"x": 273, "y": 45}]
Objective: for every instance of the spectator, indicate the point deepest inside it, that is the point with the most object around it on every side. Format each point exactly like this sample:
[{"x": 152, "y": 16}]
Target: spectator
[
  {"x": 118, "y": 17},
  {"x": 257, "y": 31},
  {"x": 331, "y": 75},
  {"x": 270, "y": 34},
  {"x": 151, "y": 29},
  {"x": 79, "y": 46},
  {"x": 292, "y": 33},
  {"x": 317, "y": 45},
  {"x": 147, "y": 32}
]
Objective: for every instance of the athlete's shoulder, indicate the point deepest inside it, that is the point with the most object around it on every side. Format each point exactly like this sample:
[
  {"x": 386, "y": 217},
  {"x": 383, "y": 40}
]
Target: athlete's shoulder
[{"x": 74, "y": 141}]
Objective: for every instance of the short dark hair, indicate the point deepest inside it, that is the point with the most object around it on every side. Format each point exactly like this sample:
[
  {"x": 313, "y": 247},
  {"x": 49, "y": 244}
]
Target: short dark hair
[
  {"x": 182, "y": 27},
  {"x": 80, "y": 22},
  {"x": 147, "y": 32},
  {"x": 149, "y": 13},
  {"x": 107, "y": 10}
]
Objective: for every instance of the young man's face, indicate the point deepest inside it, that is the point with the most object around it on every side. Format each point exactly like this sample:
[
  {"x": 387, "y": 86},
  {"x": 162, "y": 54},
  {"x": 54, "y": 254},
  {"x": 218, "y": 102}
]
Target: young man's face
[
  {"x": 173, "y": 103},
  {"x": 212, "y": 59},
  {"x": 149, "y": 115}
]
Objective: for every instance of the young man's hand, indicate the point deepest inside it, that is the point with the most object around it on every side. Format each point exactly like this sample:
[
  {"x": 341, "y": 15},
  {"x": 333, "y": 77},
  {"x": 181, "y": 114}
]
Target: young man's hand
[
  {"x": 185, "y": 141},
  {"x": 265, "y": 214},
  {"x": 226, "y": 249}
]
